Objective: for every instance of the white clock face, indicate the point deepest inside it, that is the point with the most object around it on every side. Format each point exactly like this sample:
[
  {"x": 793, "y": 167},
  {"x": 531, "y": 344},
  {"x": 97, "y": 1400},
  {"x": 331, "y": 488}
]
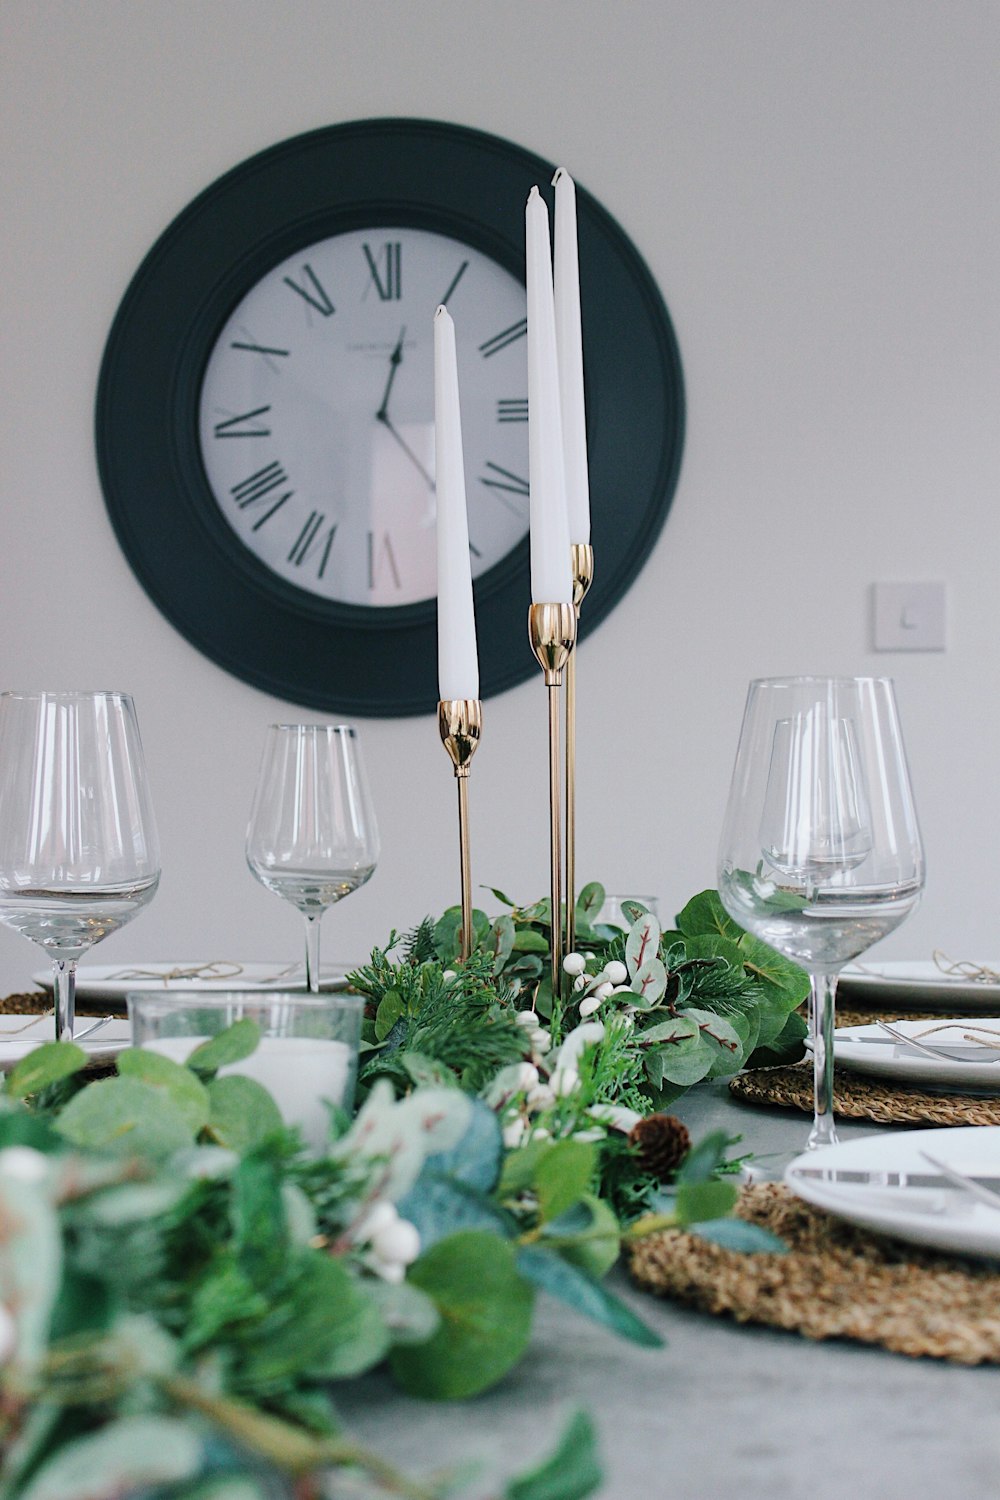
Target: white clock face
[{"x": 317, "y": 413}]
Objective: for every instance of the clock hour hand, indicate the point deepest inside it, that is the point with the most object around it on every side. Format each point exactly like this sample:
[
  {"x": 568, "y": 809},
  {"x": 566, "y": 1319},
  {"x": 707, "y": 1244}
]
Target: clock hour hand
[{"x": 395, "y": 360}]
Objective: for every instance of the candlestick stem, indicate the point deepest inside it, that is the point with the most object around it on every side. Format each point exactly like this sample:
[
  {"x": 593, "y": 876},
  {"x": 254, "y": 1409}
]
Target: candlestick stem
[
  {"x": 555, "y": 840},
  {"x": 582, "y": 563},
  {"x": 552, "y": 633},
  {"x": 460, "y": 725},
  {"x": 465, "y": 864}
]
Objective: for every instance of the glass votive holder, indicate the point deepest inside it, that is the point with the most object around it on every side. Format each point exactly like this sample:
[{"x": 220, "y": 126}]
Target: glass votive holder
[
  {"x": 612, "y": 915},
  {"x": 307, "y": 1056}
]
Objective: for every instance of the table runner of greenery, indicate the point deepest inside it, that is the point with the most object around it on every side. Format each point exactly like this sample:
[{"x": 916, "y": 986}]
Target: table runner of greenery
[{"x": 182, "y": 1286}]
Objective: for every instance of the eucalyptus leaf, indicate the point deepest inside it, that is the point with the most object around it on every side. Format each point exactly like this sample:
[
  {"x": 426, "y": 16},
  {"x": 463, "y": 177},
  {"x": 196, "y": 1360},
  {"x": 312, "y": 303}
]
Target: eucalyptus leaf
[
  {"x": 724, "y": 1040},
  {"x": 704, "y": 1158},
  {"x": 571, "y": 1472},
  {"x": 427, "y": 1072},
  {"x": 642, "y": 943},
  {"x": 44, "y": 1065},
  {"x": 684, "y": 1066},
  {"x": 738, "y": 1234},
  {"x": 680, "y": 1032},
  {"x": 530, "y": 940},
  {"x": 559, "y": 1278},
  {"x": 242, "y": 1113},
  {"x": 230, "y": 1046},
  {"x": 123, "y": 1457},
  {"x": 705, "y": 913},
  {"x": 590, "y": 900},
  {"x": 650, "y": 980},
  {"x": 126, "y": 1117},
  {"x": 704, "y": 1200},
  {"x": 562, "y": 1176},
  {"x": 502, "y": 935},
  {"x": 179, "y": 1084},
  {"x": 485, "y": 1306},
  {"x": 592, "y": 1241}
]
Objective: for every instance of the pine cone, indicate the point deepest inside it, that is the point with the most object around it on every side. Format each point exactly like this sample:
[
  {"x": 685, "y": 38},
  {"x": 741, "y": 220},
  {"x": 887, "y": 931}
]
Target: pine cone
[{"x": 661, "y": 1142}]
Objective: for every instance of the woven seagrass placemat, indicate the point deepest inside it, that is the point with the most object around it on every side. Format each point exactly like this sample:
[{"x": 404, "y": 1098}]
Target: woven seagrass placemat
[
  {"x": 836, "y": 1281},
  {"x": 858, "y": 1098},
  {"x": 37, "y": 1002}
]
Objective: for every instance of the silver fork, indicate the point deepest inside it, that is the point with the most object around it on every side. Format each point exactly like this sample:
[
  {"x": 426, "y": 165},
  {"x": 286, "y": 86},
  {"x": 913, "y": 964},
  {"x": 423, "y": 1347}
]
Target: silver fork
[{"x": 936, "y": 1052}]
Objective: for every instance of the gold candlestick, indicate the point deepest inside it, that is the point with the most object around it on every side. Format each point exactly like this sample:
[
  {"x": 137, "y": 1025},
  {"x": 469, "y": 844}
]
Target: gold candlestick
[
  {"x": 552, "y": 633},
  {"x": 582, "y": 567},
  {"x": 460, "y": 725}
]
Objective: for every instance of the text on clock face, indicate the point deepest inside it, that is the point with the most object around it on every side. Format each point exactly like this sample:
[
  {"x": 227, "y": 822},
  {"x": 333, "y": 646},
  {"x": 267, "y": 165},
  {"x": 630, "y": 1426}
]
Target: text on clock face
[{"x": 316, "y": 416}]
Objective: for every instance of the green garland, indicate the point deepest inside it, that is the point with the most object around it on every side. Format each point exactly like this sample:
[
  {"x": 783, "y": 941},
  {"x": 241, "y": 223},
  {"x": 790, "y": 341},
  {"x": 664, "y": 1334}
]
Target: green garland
[{"x": 182, "y": 1286}]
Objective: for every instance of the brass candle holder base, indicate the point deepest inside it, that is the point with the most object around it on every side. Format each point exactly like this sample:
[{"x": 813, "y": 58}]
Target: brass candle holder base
[
  {"x": 460, "y": 725},
  {"x": 552, "y": 633},
  {"x": 582, "y": 569}
]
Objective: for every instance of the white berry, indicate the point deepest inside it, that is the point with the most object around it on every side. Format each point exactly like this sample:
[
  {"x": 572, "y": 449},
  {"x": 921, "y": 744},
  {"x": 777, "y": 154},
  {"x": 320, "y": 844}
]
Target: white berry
[
  {"x": 588, "y": 1006},
  {"x": 565, "y": 1081},
  {"x": 616, "y": 972},
  {"x": 23, "y": 1163},
  {"x": 574, "y": 963},
  {"x": 399, "y": 1242},
  {"x": 526, "y": 1018}
]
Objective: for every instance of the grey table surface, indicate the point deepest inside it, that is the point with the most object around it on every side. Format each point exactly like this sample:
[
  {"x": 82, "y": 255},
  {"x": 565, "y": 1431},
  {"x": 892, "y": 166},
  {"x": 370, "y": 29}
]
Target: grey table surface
[{"x": 721, "y": 1409}]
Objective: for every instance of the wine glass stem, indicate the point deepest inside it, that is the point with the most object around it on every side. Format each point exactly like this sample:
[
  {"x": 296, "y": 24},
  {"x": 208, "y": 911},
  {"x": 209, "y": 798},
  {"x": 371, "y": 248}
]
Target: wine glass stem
[
  {"x": 64, "y": 984},
  {"x": 822, "y": 994},
  {"x": 312, "y": 954}
]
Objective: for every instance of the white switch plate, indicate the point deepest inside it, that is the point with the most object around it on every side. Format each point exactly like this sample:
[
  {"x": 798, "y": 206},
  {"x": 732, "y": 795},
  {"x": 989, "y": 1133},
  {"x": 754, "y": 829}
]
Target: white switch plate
[{"x": 909, "y": 616}]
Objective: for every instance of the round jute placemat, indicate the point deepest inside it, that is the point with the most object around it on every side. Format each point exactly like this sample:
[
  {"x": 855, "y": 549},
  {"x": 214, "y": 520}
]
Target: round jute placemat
[
  {"x": 858, "y": 1098},
  {"x": 835, "y": 1281}
]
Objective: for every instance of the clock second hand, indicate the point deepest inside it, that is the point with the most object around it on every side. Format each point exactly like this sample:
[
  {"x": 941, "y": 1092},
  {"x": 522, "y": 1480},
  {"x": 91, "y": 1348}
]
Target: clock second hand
[{"x": 382, "y": 415}]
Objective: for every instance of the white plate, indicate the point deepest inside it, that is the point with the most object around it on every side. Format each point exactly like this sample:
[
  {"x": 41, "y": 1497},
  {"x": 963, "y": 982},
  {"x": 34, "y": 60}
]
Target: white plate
[
  {"x": 867, "y": 1049},
  {"x": 946, "y": 1218},
  {"x": 919, "y": 986},
  {"x": 20, "y": 1035},
  {"x": 115, "y": 981}
]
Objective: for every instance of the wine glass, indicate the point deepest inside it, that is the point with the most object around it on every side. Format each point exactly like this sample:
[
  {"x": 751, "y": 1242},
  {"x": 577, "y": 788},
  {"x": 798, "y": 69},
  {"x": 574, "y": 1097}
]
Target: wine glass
[
  {"x": 312, "y": 837},
  {"x": 820, "y": 853},
  {"x": 79, "y": 853}
]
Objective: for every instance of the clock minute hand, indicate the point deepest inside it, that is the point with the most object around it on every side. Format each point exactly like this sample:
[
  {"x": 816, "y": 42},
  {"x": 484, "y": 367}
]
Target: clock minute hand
[{"x": 407, "y": 450}]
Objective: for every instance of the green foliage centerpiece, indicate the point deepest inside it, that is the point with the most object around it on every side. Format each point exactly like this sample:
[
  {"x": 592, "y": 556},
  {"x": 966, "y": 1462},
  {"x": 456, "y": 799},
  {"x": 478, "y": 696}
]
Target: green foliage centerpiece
[{"x": 183, "y": 1285}]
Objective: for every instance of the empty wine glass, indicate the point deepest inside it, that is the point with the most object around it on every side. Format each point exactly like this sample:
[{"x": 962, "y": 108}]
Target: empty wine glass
[
  {"x": 312, "y": 837},
  {"x": 79, "y": 854},
  {"x": 820, "y": 853}
]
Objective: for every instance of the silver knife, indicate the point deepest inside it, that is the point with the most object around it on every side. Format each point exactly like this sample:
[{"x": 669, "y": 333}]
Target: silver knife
[{"x": 858, "y": 1178}]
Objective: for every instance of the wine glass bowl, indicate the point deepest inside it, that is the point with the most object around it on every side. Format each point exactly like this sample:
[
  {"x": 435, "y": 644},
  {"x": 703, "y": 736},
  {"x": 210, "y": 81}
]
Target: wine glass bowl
[
  {"x": 79, "y": 853},
  {"x": 820, "y": 854},
  {"x": 312, "y": 838}
]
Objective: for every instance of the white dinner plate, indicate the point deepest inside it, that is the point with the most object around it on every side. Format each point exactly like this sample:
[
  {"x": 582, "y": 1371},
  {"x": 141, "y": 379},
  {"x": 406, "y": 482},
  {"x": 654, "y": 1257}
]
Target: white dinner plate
[
  {"x": 20, "y": 1035},
  {"x": 114, "y": 981},
  {"x": 915, "y": 985},
  {"x": 882, "y": 1182},
  {"x": 867, "y": 1049}
]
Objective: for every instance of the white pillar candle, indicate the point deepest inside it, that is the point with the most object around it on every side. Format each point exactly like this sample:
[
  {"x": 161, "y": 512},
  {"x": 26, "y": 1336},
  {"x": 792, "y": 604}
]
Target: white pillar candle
[
  {"x": 569, "y": 348},
  {"x": 299, "y": 1073},
  {"x": 458, "y": 660},
  {"x": 551, "y": 577}
]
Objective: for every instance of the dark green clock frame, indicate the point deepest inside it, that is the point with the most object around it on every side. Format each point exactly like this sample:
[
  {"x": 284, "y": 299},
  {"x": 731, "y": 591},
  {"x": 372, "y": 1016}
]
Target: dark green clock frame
[{"x": 413, "y": 173}]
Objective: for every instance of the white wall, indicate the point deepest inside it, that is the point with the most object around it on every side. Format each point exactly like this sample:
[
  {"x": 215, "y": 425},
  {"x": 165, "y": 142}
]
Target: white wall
[{"x": 813, "y": 186}]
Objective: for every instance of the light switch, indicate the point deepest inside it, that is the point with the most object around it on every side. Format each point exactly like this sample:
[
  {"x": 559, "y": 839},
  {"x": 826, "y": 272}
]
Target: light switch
[{"x": 909, "y": 616}]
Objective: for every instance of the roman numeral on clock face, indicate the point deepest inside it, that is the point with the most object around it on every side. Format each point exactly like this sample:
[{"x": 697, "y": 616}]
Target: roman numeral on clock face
[
  {"x": 259, "y": 488},
  {"x": 312, "y": 291},
  {"x": 233, "y": 427},
  {"x": 512, "y": 411},
  {"x": 312, "y": 542},
  {"x": 386, "y": 269},
  {"x": 380, "y": 556},
  {"x": 506, "y": 336}
]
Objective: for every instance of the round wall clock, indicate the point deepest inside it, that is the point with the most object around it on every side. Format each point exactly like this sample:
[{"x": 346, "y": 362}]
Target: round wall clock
[{"x": 265, "y": 415}]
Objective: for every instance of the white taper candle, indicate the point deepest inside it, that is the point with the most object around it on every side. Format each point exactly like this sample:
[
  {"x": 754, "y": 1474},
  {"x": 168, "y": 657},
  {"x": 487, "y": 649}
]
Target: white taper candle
[
  {"x": 551, "y": 578},
  {"x": 458, "y": 660},
  {"x": 569, "y": 348}
]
